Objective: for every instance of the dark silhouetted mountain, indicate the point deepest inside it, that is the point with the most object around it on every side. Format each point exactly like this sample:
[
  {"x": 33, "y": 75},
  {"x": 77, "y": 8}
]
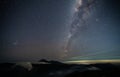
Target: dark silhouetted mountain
[
  {"x": 58, "y": 69},
  {"x": 51, "y": 61}
]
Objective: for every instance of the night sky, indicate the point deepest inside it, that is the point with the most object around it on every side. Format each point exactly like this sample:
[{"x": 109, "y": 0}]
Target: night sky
[{"x": 31, "y": 30}]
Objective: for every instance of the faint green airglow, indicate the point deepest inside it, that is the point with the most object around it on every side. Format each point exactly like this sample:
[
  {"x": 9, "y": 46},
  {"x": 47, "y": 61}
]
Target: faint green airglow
[{"x": 93, "y": 61}]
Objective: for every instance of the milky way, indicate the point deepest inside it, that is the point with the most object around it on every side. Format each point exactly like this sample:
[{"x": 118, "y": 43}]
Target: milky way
[{"x": 80, "y": 16}]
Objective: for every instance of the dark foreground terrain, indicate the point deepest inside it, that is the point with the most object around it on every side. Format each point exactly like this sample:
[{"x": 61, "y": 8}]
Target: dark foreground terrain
[{"x": 57, "y": 69}]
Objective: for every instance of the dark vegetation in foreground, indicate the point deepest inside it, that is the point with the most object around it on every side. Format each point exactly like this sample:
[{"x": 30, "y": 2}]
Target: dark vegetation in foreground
[{"x": 58, "y": 69}]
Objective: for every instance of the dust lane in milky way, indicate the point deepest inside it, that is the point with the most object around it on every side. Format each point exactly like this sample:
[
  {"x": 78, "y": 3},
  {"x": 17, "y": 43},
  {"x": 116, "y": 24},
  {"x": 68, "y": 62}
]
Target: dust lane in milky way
[{"x": 80, "y": 16}]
